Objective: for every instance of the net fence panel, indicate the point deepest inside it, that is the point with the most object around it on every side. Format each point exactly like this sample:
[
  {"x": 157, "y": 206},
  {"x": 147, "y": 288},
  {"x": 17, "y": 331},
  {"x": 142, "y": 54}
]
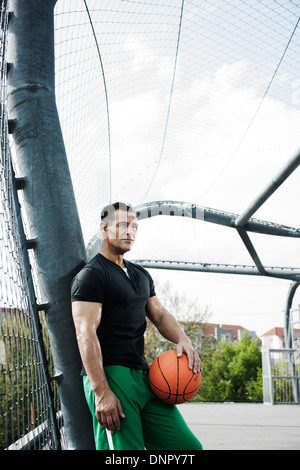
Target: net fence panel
[{"x": 183, "y": 101}]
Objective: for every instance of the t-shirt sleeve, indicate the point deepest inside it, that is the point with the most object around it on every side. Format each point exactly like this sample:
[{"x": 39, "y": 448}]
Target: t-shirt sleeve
[
  {"x": 87, "y": 286},
  {"x": 152, "y": 286}
]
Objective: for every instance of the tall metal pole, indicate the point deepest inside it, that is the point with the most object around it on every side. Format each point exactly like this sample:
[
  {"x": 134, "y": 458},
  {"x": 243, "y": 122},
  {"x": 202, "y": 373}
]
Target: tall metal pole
[
  {"x": 49, "y": 200},
  {"x": 287, "y": 314}
]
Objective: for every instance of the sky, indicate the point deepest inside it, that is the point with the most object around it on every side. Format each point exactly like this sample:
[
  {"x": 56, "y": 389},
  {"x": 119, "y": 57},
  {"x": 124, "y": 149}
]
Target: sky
[{"x": 211, "y": 124}]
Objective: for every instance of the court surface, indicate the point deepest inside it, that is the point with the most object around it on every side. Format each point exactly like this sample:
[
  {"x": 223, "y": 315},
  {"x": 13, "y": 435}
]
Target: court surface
[{"x": 244, "y": 426}]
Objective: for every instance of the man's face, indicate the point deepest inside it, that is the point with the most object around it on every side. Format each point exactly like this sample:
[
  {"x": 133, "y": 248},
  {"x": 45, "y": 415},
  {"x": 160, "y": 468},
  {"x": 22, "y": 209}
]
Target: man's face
[{"x": 120, "y": 231}]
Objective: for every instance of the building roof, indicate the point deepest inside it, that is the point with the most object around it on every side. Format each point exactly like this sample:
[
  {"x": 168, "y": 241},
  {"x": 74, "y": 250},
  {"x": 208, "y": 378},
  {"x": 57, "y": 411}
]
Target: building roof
[
  {"x": 209, "y": 328},
  {"x": 278, "y": 331}
]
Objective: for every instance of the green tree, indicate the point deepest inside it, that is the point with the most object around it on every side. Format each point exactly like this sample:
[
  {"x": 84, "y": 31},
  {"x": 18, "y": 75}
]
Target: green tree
[
  {"x": 232, "y": 372},
  {"x": 255, "y": 388}
]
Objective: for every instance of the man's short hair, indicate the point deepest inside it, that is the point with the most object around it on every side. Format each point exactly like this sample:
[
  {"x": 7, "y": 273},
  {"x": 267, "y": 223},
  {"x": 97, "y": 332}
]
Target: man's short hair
[{"x": 108, "y": 212}]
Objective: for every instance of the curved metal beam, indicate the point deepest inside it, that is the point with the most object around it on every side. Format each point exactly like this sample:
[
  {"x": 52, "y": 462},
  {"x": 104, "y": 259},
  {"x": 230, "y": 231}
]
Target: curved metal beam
[
  {"x": 207, "y": 214},
  {"x": 218, "y": 268}
]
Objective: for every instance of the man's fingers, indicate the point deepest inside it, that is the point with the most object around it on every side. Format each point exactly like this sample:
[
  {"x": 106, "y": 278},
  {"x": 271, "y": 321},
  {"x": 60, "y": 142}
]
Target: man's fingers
[
  {"x": 107, "y": 421},
  {"x": 120, "y": 410},
  {"x": 111, "y": 419},
  {"x": 117, "y": 415},
  {"x": 102, "y": 419},
  {"x": 179, "y": 350},
  {"x": 116, "y": 421},
  {"x": 194, "y": 360},
  {"x": 195, "y": 363},
  {"x": 112, "y": 423}
]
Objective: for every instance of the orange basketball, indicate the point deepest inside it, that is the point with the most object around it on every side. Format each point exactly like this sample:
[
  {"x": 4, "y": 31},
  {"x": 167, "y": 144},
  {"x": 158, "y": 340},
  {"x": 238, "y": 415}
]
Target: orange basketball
[{"x": 171, "y": 380}]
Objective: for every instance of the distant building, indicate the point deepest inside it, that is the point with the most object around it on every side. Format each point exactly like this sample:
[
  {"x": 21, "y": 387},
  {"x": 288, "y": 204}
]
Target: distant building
[
  {"x": 230, "y": 333},
  {"x": 274, "y": 338}
]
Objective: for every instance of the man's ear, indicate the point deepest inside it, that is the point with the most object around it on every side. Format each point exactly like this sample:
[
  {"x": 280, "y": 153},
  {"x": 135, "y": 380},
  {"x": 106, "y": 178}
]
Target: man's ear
[{"x": 103, "y": 229}]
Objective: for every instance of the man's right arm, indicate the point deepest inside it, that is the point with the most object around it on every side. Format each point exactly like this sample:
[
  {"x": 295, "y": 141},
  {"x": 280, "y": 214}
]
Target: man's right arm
[{"x": 87, "y": 318}]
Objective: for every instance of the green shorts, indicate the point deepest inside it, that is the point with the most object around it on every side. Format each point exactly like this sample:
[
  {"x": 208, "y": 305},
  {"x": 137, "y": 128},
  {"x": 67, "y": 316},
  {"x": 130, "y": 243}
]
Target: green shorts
[{"x": 148, "y": 424}]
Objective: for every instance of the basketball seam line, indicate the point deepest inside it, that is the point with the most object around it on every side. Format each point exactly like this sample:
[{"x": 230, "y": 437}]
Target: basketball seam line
[{"x": 164, "y": 377}]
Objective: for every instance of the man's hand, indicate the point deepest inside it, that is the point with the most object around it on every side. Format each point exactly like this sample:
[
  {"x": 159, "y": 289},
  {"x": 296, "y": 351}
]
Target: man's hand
[
  {"x": 109, "y": 411},
  {"x": 195, "y": 363}
]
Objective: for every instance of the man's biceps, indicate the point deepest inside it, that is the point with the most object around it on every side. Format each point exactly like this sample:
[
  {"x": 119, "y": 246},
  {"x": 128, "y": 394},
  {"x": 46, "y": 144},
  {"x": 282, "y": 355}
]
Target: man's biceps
[
  {"x": 86, "y": 311},
  {"x": 154, "y": 309},
  {"x": 150, "y": 305}
]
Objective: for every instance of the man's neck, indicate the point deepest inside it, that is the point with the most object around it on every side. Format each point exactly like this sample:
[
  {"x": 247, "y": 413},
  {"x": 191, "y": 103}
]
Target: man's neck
[{"x": 114, "y": 257}]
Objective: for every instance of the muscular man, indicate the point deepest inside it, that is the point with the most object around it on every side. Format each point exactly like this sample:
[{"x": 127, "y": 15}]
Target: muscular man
[{"x": 111, "y": 298}]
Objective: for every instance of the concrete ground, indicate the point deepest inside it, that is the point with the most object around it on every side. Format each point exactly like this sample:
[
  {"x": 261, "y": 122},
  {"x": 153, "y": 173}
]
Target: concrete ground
[{"x": 244, "y": 426}]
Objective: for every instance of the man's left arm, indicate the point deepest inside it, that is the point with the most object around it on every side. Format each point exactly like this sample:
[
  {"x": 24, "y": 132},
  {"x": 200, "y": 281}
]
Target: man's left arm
[{"x": 170, "y": 329}]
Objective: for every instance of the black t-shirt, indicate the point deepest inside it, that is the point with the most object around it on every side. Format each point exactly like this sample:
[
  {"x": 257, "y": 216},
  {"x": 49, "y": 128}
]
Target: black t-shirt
[{"x": 123, "y": 298}]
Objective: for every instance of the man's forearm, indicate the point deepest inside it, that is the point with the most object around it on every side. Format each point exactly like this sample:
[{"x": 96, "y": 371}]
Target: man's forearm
[
  {"x": 91, "y": 355},
  {"x": 108, "y": 407},
  {"x": 170, "y": 329}
]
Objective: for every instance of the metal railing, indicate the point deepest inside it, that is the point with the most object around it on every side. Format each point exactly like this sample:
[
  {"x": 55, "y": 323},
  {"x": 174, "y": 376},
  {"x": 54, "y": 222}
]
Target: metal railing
[{"x": 281, "y": 376}]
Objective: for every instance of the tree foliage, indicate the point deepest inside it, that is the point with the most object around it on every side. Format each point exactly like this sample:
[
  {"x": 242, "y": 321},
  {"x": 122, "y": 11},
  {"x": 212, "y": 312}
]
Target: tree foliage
[{"x": 232, "y": 373}]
